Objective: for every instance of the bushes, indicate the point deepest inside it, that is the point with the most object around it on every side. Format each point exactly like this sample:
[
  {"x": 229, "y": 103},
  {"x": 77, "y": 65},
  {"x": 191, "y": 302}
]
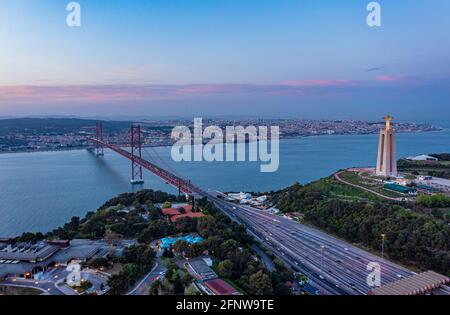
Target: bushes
[{"x": 435, "y": 201}]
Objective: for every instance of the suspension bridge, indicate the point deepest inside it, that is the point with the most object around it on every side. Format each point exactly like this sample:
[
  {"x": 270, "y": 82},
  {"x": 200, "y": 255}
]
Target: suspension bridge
[
  {"x": 138, "y": 162},
  {"x": 340, "y": 269}
]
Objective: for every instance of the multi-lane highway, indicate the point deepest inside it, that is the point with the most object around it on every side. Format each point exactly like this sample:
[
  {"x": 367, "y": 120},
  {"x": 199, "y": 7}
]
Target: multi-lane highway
[{"x": 332, "y": 265}]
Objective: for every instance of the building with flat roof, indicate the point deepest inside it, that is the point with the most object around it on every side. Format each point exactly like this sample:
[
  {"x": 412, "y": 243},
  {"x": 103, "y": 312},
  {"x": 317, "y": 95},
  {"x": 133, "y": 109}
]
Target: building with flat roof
[
  {"x": 418, "y": 284},
  {"x": 25, "y": 259},
  {"x": 200, "y": 269}
]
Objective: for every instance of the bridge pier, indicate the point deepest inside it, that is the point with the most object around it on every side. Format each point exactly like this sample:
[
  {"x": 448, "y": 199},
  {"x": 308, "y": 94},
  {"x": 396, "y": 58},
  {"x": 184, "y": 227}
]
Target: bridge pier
[
  {"x": 99, "y": 136},
  {"x": 136, "y": 154}
]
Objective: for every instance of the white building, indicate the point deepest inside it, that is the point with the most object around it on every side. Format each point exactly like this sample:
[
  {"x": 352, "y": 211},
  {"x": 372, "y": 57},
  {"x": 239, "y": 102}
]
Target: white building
[
  {"x": 422, "y": 158},
  {"x": 240, "y": 196}
]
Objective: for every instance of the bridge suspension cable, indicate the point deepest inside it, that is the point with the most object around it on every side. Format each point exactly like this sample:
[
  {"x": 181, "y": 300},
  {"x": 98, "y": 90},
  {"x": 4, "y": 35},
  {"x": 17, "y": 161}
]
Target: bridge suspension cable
[{"x": 135, "y": 155}]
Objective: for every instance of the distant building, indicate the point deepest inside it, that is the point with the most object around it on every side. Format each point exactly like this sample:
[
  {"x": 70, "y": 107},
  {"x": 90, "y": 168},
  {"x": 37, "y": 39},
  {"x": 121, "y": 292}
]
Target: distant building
[
  {"x": 387, "y": 156},
  {"x": 240, "y": 196},
  {"x": 422, "y": 158}
]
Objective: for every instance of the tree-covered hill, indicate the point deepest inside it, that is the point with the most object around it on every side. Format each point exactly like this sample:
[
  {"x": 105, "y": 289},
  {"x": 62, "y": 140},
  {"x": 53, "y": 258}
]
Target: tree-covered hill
[{"x": 412, "y": 238}]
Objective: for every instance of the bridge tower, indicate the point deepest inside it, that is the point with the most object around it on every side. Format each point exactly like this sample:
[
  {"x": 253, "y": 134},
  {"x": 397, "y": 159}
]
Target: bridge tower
[
  {"x": 136, "y": 153},
  {"x": 99, "y": 136}
]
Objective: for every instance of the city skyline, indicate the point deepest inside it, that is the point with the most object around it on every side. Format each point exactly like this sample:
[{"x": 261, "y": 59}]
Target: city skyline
[{"x": 198, "y": 58}]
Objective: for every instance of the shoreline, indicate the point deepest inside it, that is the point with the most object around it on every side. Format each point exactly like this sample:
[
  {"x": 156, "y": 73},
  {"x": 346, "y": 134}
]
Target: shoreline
[{"x": 168, "y": 145}]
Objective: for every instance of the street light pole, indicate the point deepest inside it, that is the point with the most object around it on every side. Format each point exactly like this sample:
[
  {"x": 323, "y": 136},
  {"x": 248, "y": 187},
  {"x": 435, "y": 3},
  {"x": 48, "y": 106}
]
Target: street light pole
[{"x": 383, "y": 237}]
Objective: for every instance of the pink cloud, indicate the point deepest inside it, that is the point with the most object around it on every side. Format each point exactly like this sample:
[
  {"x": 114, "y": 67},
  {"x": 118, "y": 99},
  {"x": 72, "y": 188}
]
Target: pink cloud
[
  {"x": 397, "y": 78},
  {"x": 316, "y": 83},
  {"x": 387, "y": 78},
  {"x": 145, "y": 92}
]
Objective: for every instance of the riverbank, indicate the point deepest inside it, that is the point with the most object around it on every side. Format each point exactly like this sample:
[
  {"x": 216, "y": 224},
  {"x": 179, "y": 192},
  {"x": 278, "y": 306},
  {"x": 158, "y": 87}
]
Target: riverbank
[
  {"x": 170, "y": 144},
  {"x": 41, "y": 190}
]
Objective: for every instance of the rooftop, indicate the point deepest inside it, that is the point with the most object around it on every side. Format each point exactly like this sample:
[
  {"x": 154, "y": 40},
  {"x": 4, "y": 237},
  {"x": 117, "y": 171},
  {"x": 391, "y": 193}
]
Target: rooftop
[
  {"x": 220, "y": 287},
  {"x": 28, "y": 252},
  {"x": 415, "y": 285},
  {"x": 175, "y": 214},
  {"x": 201, "y": 269}
]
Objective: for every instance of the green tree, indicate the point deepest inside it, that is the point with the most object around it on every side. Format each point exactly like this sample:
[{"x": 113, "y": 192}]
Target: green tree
[
  {"x": 195, "y": 250},
  {"x": 225, "y": 268},
  {"x": 180, "y": 246},
  {"x": 191, "y": 290},
  {"x": 260, "y": 284}
]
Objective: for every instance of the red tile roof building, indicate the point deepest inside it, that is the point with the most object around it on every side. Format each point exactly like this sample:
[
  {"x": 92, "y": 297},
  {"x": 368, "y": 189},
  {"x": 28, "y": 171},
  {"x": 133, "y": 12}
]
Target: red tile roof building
[
  {"x": 220, "y": 287},
  {"x": 175, "y": 214}
]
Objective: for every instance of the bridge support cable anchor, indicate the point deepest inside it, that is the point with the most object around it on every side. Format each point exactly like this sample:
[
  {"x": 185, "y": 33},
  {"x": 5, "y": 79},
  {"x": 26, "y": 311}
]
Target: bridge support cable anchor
[
  {"x": 136, "y": 154},
  {"x": 99, "y": 136}
]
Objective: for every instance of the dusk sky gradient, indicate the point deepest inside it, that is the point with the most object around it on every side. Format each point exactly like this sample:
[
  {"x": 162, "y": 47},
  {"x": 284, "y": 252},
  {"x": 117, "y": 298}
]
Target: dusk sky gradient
[{"x": 280, "y": 58}]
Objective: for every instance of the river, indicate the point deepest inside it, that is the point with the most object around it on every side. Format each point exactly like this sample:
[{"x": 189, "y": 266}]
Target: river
[{"x": 41, "y": 191}]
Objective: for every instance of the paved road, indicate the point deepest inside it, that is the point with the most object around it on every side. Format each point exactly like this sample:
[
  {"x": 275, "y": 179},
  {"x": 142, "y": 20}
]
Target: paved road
[
  {"x": 53, "y": 283},
  {"x": 142, "y": 288},
  {"x": 333, "y": 266},
  {"x": 339, "y": 179},
  {"x": 45, "y": 286},
  {"x": 268, "y": 263}
]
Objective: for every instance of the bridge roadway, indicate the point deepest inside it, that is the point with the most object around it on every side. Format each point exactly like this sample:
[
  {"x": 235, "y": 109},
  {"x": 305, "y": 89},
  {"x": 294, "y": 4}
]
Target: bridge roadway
[
  {"x": 182, "y": 184},
  {"x": 337, "y": 268},
  {"x": 333, "y": 266}
]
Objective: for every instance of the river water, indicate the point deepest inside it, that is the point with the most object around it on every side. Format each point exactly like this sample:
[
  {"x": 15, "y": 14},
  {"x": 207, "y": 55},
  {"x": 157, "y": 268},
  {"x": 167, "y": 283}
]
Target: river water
[{"x": 41, "y": 191}]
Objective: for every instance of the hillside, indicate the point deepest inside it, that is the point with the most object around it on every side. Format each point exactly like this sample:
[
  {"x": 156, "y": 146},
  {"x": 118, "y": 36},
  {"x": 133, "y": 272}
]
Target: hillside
[
  {"x": 53, "y": 125},
  {"x": 412, "y": 238}
]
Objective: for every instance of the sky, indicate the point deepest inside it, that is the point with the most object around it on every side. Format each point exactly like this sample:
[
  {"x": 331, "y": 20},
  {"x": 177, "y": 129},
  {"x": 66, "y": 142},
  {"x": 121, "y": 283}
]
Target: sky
[{"x": 262, "y": 58}]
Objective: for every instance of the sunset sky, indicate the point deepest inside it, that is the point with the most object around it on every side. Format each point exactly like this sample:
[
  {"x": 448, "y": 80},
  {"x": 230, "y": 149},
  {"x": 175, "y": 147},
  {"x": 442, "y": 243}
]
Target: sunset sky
[{"x": 281, "y": 58}]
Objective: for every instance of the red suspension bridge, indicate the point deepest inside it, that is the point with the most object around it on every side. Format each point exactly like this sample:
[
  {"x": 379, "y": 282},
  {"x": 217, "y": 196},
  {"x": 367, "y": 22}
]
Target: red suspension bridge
[
  {"x": 285, "y": 237},
  {"x": 138, "y": 162}
]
